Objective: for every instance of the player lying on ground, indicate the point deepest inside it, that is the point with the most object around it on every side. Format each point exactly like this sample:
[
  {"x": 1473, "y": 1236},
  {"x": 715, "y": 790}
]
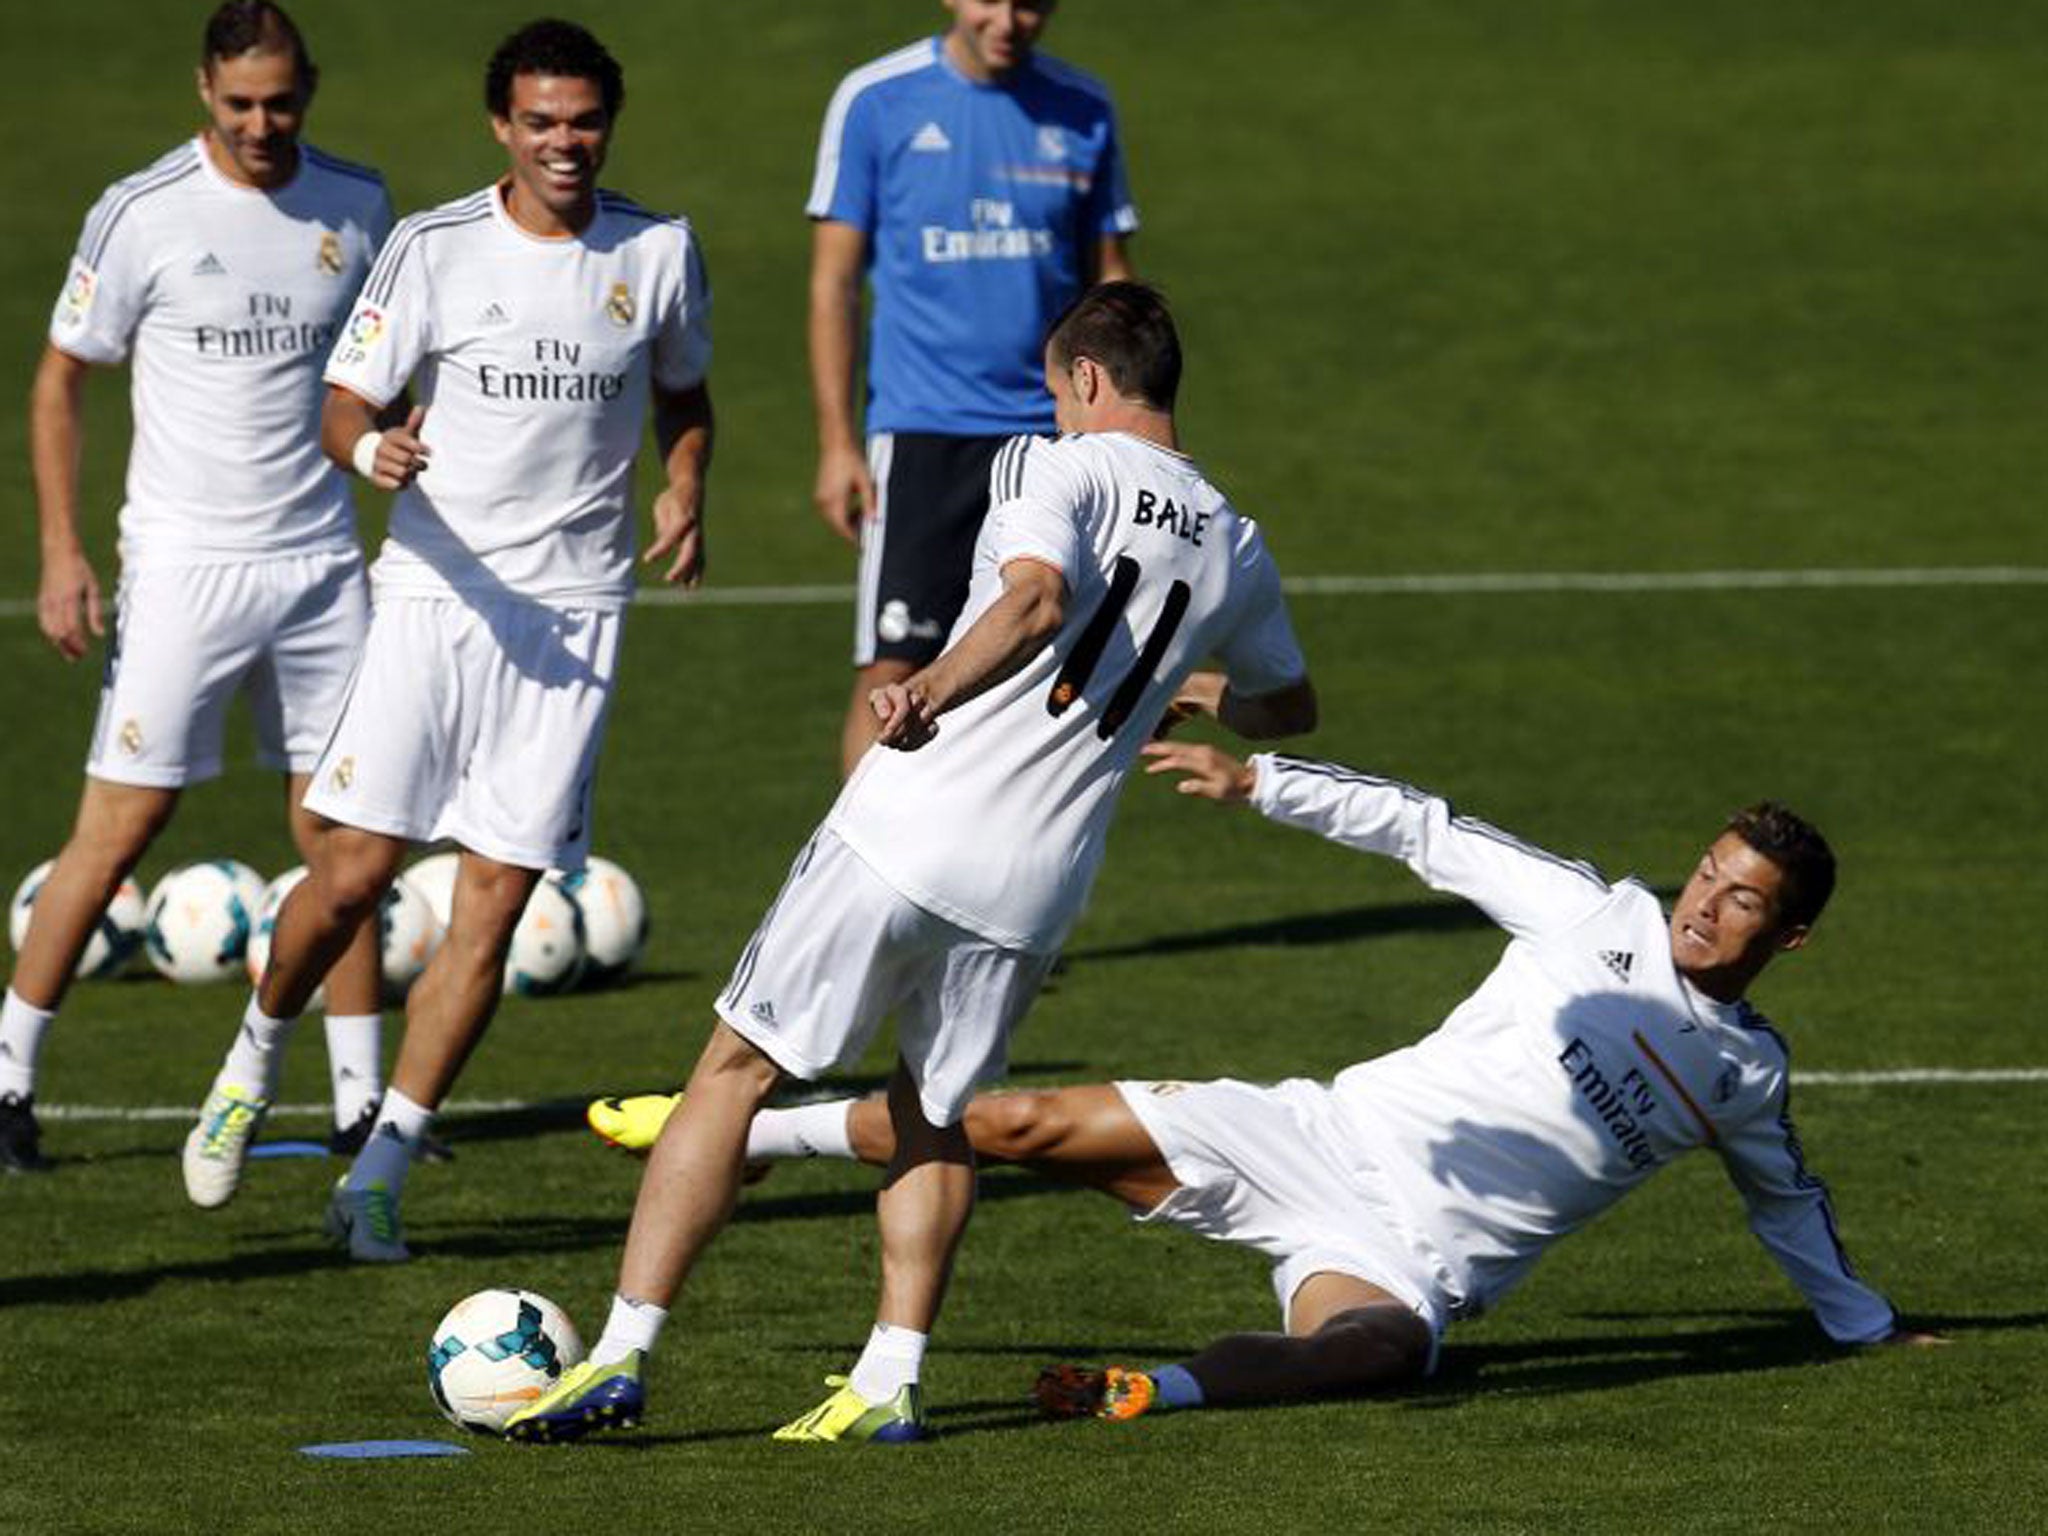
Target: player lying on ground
[{"x": 1420, "y": 1186}]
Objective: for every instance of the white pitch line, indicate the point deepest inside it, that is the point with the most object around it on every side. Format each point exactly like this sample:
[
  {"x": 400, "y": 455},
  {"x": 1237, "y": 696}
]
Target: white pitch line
[
  {"x": 1445, "y": 584},
  {"x": 1880, "y": 1078},
  {"x": 278, "y": 1111}
]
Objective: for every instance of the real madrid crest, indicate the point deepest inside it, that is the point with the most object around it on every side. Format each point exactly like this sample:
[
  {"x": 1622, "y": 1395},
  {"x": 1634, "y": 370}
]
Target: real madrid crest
[
  {"x": 329, "y": 259},
  {"x": 619, "y": 307}
]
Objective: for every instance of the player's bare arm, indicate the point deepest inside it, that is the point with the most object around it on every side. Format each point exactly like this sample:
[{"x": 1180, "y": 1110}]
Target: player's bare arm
[
  {"x": 845, "y": 491},
  {"x": 1015, "y": 628},
  {"x": 68, "y": 592},
  {"x": 390, "y": 458},
  {"x": 1110, "y": 260},
  {"x": 1288, "y": 711},
  {"x": 683, "y": 430}
]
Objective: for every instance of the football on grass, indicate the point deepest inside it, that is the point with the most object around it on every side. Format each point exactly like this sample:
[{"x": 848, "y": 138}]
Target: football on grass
[{"x": 494, "y": 1353}]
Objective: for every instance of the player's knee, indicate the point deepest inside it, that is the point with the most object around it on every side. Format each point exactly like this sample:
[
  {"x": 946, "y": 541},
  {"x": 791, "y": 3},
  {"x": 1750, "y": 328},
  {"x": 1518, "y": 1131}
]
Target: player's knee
[
  {"x": 351, "y": 876},
  {"x": 112, "y": 835},
  {"x": 1017, "y": 1127},
  {"x": 1372, "y": 1347}
]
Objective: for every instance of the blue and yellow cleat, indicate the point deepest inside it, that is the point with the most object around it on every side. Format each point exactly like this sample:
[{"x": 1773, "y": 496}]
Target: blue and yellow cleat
[
  {"x": 588, "y": 1397},
  {"x": 847, "y": 1416},
  {"x": 632, "y": 1124}
]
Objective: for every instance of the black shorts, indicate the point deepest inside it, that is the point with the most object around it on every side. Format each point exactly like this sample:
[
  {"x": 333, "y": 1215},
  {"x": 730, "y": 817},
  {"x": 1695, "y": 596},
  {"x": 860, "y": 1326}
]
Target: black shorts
[{"x": 917, "y": 554}]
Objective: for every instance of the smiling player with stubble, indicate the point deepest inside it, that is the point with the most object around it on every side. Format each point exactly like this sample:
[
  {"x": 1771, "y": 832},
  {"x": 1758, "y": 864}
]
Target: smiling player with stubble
[{"x": 539, "y": 318}]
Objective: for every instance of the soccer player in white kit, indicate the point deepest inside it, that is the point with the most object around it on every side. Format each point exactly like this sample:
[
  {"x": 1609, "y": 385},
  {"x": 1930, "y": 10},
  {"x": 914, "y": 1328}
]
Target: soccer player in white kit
[
  {"x": 1419, "y": 1187},
  {"x": 957, "y": 856},
  {"x": 539, "y": 317},
  {"x": 222, "y": 272}
]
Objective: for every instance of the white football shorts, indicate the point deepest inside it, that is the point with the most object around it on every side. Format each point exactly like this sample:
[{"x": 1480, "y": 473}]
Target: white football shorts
[
  {"x": 1266, "y": 1167},
  {"x": 841, "y": 948},
  {"x": 479, "y": 722},
  {"x": 188, "y": 638}
]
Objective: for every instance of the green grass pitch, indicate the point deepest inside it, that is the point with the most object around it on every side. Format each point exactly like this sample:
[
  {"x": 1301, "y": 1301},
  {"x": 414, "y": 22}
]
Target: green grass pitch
[{"x": 1470, "y": 287}]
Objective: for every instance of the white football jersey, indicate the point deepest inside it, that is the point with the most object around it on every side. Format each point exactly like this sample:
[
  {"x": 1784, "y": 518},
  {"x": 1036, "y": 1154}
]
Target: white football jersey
[
  {"x": 533, "y": 358},
  {"x": 229, "y": 299},
  {"x": 1580, "y": 1066},
  {"x": 998, "y": 824}
]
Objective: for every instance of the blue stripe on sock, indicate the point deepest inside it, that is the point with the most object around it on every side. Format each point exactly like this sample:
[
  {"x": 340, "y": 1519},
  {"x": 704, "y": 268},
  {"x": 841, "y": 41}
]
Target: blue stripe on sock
[{"x": 1176, "y": 1386}]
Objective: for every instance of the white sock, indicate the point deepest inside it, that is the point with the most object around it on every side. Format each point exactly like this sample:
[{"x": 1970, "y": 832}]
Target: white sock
[
  {"x": 354, "y": 1063},
  {"x": 256, "y": 1059},
  {"x": 387, "y": 1155},
  {"x": 808, "y": 1130},
  {"x": 632, "y": 1325},
  {"x": 891, "y": 1362},
  {"x": 22, "y": 1026}
]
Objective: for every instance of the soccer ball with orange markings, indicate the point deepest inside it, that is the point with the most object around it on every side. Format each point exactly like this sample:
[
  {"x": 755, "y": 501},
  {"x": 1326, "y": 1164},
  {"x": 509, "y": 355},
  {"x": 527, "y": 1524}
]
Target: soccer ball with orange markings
[{"x": 494, "y": 1353}]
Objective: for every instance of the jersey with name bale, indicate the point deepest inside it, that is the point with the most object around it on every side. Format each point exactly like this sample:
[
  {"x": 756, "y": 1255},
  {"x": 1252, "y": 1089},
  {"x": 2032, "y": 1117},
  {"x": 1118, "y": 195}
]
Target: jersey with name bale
[{"x": 1000, "y": 822}]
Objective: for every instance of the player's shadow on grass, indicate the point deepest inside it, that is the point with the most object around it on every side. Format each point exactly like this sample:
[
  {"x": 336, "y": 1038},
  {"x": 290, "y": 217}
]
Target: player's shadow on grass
[
  {"x": 1770, "y": 1340},
  {"x": 1346, "y": 925}
]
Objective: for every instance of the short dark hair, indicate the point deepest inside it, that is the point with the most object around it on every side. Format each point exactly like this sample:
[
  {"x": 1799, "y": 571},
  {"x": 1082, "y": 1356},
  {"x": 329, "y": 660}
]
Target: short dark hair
[
  {"x": 1795, "y": 845},
  {"x": 241, "y": 26},
  {"x": 1128, "y": 331},
  {"x": 550, "y": 47}
]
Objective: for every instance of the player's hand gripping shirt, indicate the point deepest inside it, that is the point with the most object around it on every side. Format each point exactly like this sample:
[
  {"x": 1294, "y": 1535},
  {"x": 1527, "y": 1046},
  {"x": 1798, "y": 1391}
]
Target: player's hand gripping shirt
[
  {"x": 534, "y": 359},
  {"x": 998, "y": 824},
  {"x": 982, "y": 204},
  {"x": 1580, "y": 1066},
  {"x": 228, "y": 299}
]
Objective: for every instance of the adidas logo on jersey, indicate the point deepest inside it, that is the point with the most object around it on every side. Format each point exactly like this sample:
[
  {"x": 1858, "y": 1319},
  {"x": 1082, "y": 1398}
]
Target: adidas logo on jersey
[
  {"x": 931, "y": 140},
  {"x": 1619, "y": 961},
  {"x": 209, "y": 265},
  {"x": 494, "y": 314},
  {"x": 763, "y": 1013}
]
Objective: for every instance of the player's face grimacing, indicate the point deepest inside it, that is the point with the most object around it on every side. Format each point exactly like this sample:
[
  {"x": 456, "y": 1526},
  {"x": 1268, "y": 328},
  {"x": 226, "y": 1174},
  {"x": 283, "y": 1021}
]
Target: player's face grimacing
[
  {"x": 557, "y": 133},
  {"x": 1728, "y": 921},
  {"x": 993, "y": 37},
  {"x": 256, "y": 105}
]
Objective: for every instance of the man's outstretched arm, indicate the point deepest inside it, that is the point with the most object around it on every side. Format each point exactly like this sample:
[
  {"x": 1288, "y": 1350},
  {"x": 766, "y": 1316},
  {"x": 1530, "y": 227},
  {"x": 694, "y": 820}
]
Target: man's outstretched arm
[{"x": 1524, "y": 889}]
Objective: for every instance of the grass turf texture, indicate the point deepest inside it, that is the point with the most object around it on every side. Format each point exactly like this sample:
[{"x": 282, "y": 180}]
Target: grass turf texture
[{"x": 1467, "y": 287}]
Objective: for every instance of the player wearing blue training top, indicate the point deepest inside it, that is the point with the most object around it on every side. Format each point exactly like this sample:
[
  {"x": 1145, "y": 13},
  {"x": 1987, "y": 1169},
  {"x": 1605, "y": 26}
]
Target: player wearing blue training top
[{"x": 980, "y": 186}]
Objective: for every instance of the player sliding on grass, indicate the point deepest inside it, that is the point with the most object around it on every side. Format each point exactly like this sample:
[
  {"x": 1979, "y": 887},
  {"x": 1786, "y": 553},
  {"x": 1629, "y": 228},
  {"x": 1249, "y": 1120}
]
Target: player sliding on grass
[
  {"x": 945, "y": 877},
  {"x": 1419, "y": 1187}
]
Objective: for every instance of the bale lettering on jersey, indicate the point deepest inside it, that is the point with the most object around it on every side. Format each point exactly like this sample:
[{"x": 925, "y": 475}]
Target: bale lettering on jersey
[
  {"x": 1156, "y": 511},
  {"x": 1617, "y": 1104}
]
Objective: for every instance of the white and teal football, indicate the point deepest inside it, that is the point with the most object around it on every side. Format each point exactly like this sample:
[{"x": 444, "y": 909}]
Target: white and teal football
[
  {"x": 546, "y": 956},
  {"x": 199, "y": 920},
  {"x": 411, "y": 933},
  {"x": 614, "y": 919},
  {"x": 494, "y": 1353},
  {"x": 114, "y": 939},
  {"x": 434, "y": 878}
]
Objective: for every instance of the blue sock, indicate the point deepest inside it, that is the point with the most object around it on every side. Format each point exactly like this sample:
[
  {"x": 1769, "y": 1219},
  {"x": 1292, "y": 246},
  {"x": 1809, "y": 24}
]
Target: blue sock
[{"x": 1176, "y": 1386}]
